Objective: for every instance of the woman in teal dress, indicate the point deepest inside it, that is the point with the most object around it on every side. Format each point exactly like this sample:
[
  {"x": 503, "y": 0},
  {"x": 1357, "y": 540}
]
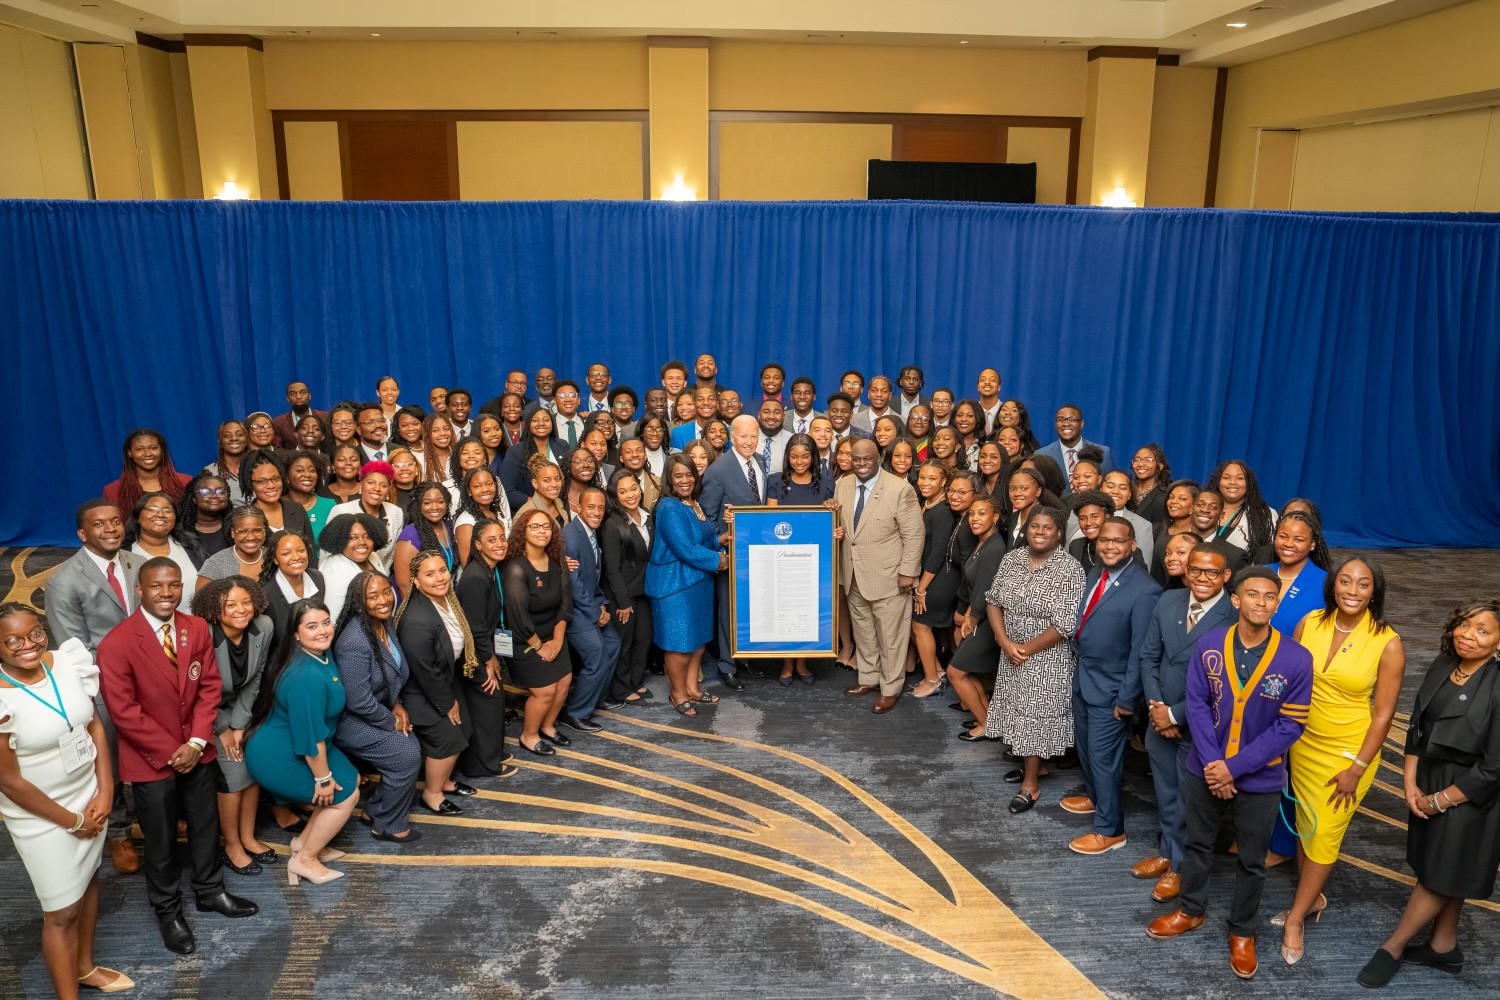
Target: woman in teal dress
[{"x": 290, "y": 751}]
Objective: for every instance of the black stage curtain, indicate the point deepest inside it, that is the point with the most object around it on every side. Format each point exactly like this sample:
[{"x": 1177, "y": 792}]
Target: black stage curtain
[{"x": 920, "y": 181}]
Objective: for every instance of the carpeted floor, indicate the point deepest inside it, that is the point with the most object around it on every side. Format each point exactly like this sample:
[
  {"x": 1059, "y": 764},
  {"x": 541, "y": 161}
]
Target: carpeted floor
[{"x": 786, "y": 843}]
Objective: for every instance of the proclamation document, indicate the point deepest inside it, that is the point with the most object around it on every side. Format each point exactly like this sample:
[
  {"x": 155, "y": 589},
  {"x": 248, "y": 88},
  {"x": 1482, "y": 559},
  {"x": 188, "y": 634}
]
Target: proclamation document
[{"x": 783, "y": 588}]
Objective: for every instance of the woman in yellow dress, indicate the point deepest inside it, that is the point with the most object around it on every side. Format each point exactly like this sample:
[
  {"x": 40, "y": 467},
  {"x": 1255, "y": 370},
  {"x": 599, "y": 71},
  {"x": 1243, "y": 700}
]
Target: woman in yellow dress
[{"x": 1358, "y": 661}]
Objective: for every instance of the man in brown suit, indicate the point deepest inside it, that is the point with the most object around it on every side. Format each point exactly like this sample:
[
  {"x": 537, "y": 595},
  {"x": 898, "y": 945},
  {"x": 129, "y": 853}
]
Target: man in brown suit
[{"x": 880, "y": 523}]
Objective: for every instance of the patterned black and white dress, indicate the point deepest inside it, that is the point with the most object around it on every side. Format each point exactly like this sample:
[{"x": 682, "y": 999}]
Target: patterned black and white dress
[{"x": 1033, "y": 704}]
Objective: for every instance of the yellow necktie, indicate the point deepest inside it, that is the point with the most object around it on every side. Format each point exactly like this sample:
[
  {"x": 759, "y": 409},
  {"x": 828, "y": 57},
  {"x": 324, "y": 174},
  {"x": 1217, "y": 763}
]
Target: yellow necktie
[{"x": 167, "y": 646}]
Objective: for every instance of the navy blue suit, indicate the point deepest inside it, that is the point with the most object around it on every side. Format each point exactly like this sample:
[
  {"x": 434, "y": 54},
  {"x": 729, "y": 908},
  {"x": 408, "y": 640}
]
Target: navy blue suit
[
  {"x": 1106, "y": 642},
  {"x": 725, "y": 482},
  {"x": 1054, "y": 451},
  {"x": 597, "y": 648},
  {"x": 1160, "y": 671}
]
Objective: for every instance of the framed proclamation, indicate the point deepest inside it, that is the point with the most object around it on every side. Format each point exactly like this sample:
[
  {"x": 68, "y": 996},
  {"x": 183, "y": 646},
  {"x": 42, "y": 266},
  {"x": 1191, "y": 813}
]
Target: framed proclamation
[{"x": 783, "y": 582}]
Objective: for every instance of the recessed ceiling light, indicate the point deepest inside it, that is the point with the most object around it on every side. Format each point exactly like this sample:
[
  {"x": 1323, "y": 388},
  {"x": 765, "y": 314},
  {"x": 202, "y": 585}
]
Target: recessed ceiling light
[
  {"x": 1235, "y": 24},
  {"x": 374, "y": 34},
  {"x": 964, "y": 42}
]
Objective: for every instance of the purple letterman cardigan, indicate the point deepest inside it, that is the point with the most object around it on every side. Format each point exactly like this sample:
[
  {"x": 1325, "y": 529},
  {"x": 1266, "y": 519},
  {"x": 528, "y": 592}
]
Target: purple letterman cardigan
[{"x": 1249, "y": 728}]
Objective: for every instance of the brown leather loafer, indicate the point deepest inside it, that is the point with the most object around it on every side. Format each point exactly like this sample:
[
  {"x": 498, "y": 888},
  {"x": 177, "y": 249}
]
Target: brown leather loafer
[
  {"x": 1167, "y": 887},
  {"x": 1096, "y": 843},
  {"x": 1242, "y": 956},
  {"x": 860, "y": 689},
  {"x": 1174, "y": 924},
  {"x": 1150, "y": 868},
  {"x": 885, "y": 703},
  {"x": 1080, "y": 805},
  {"x": 125, "y": 858}
]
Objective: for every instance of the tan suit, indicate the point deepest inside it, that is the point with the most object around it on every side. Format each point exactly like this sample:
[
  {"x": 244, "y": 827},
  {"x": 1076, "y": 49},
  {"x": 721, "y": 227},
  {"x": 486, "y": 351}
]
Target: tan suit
[{"x": 887, "y": 544}]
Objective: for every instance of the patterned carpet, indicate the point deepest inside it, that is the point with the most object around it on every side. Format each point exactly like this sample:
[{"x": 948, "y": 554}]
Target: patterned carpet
[{"x": 787, "y": 842}]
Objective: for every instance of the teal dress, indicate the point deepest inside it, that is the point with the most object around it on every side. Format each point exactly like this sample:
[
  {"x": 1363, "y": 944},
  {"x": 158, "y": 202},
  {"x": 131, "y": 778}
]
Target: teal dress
[
  {"x": 309, "y": 701},
  {"x": 317, "y": 514}
]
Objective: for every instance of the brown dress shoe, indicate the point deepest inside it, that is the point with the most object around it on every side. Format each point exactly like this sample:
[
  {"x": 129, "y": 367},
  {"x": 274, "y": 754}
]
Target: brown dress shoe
[
  {"x": 123, "y": 855},
  {"x": 860, "y": 689},
  {"x": 1242, "y": 956},
  {"x": 1167, "y": 887},
  {"x": 1081, "y": 805},
  {"x": 885, "y": 703},
  {"x": 1173, "y": 924},
  {"x": 1151, "y": 868},
  {"x": 1096, "y": 843}
]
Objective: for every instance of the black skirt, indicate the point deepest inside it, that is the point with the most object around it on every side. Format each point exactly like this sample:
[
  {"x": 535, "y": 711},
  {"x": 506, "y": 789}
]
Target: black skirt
[
  {"x": 979, "y": 654},
  {"x": 1454, "y": 853},
  {"x": 439, "y": 737},
  {"x": 529, "y": 670}
]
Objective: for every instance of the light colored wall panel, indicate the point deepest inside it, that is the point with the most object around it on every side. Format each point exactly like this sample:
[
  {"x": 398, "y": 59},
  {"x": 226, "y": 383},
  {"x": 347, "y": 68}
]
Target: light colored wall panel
[
  {"x": 20, "y": 159},
  {"x": 546, "y": 160},
  {"x": 1182, "y": 118},
  {"x": 786, "y": 162},
  {"x": 41, "y": 138},
  {"x": 108, "y": 120},
  {"x": 1488, "y": 199},
  {"x": 314, "y": 169},
  {"x": 1048, "y": 149}
]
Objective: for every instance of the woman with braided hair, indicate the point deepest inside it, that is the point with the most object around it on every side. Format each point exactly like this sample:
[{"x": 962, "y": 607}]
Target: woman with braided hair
[
  {"x": 480, "y": 499},
  {"x": 201, "y": 520},
  {"x": 147, "y": 466},
  {"x": 1247, "y": 521},
  {"x": 439, "y": 651}
]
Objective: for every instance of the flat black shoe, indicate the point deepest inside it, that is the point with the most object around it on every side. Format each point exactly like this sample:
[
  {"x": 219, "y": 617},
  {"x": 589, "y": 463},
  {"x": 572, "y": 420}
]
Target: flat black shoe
[
  {"x": 177, "y": 935},
  {"x": 264, "y": 858},
  {"x": 228, "y": 905},
  {"x": 446, "y": 809},
  {"x": 365, "y": 819},
  {"x": 612, "y": 704},
  {"x": 412, "y": 835},
  {"x": 733, "y": 683},
  {"x": 507, "y": 758},
  {"x": 557, "y": 739},
  {"x": 1023, "y": 802},
  {"x": 459, "y": 788},
  {"x": 578, "y": 725},
  {"x": 963, "y": 734},
  {"x": 1379, "y": 969},
  {"x": 294, "y": 829},
  {"x": 645, "y": 694},
  {"x": 957, "y": 706},
  {"x": 752, "y": 670},
  {"x": 542, "y": 748},
  {"x": 253, "y": 868},
  {"x": 1422, "y": 954},
  {"x": 1014, "y": 776}
]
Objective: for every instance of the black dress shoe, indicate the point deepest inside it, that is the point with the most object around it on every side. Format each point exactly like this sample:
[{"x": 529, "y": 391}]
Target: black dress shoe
[
  {"x": 228, "y": 904},
  {"x": 1422, "y": 954},
  {"x": 542, "y": 748},
  {"x": 612, "y": 704},
  {"x": 412, "y": 836},
  {"x": 578, "y": 725},
  {"x": 963, "y": 734},
  {"x": 1379, "y": 969},
  {"x": 557, "y": 738},
  {"x": 1023, "y": 802},
  {"x": 1014, "y": 776},
  {"x": 446, "y": 809},
  {"x": 177, "y": 935},
  {"x": 751, "y": 669},
  {"x": 459, "y": 788},
  {"x": 733, "y": 683}
]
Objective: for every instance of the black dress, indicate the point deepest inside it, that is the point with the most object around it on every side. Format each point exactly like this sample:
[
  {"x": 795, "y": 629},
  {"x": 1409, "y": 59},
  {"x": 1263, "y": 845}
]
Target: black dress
[
  {"x": 433, "y": 687},
  {"x": 1455, "y": 735},
  {"x": 535, "y": 601},
  {"x": 478, "y": 592},
  {"x": 980, "y": 652},
  {"x": 942, "y": 592},
  {"x": 1151, "y": 505}
]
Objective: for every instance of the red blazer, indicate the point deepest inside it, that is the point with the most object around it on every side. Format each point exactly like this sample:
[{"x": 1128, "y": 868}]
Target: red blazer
[
  {"x": 286, "y": 430},
  {"x": 157, "y": 707}
]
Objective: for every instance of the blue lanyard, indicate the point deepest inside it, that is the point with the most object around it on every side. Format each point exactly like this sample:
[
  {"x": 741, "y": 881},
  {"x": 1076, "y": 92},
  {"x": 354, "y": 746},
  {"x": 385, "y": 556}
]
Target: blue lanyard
[
  {"x": 501, "y": 591},
  {"x": 59, "y": 708},
  {"x": 447, "y": 552}
]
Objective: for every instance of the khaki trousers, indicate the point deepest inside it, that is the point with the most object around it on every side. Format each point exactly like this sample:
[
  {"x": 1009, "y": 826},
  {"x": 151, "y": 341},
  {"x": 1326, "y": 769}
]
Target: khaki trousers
[{"x": 882, "y": 630}]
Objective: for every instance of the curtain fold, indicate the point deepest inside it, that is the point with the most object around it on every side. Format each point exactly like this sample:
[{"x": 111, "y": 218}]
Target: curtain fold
[{"x": 1349, "y": 358}]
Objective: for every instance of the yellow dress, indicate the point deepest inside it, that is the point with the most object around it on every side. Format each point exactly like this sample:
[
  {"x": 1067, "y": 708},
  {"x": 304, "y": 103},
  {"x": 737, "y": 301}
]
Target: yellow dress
[{"x": 1336, "y": 724}]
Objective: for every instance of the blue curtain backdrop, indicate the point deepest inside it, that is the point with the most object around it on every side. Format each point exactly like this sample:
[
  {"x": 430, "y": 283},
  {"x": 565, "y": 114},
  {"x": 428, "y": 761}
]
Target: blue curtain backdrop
[{"x": 1349, "y": 358}]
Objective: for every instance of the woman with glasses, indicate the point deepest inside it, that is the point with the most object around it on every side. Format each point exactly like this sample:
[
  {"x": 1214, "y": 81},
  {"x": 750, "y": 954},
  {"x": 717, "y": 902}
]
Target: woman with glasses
[
  {"x": 150, "y": 533},
  {"x": 267, "y": 481},
  {"x": 56, "y": 813},
  {"x": 248, "y": 531},
  {"x": 201, "y": 517},
  {"x": 538, "y": 602}
]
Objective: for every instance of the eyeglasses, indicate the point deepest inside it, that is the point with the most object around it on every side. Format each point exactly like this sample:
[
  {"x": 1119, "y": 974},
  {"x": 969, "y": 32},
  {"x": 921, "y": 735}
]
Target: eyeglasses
[
  {"x": 157, "y": 511},
  {"x": 206, "y": 491},
  {"x": 1199, "y": 573},
  {"x": 265, "y": 482},
  {"x": 248, "y": 532},
  {"x": 567, "y": 395},
  {"x": 36, "y": 637}
]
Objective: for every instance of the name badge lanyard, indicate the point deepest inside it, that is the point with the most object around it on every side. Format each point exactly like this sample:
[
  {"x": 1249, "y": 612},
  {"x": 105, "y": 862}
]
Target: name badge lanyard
[
  {"x": 504, "y": 642},
  {"x": 59, "y": 708}
]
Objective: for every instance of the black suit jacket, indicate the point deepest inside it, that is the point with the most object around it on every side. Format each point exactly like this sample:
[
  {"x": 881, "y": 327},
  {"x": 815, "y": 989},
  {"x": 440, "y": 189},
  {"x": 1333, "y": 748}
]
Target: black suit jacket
[
  {"x": 625, "y": 559},
  {"x": 280, "y": 609},
  {"x": 479, "y": 595},
  {"x": 429, "y": 657},
  {"x": 1469, "y": 732}
]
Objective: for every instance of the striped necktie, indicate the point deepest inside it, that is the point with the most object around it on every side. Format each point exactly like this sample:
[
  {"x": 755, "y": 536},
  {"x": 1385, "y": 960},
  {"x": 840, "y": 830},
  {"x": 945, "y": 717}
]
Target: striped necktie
[{"x": 167, "y": 645}]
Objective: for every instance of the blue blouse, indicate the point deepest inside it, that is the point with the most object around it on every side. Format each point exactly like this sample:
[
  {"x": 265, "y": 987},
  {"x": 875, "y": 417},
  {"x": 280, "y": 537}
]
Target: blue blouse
[
  {"x": 799, "y": 494},
  {"x": 1301, "y": 597}
]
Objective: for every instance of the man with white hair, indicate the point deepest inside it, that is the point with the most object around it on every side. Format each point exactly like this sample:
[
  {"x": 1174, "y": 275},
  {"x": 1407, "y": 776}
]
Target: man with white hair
[{"x": 736, "y": 479}]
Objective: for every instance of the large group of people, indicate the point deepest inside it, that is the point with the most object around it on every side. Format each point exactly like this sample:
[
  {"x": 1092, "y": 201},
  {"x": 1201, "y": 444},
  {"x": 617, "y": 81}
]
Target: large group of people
[{"x": 377, "y": 590}]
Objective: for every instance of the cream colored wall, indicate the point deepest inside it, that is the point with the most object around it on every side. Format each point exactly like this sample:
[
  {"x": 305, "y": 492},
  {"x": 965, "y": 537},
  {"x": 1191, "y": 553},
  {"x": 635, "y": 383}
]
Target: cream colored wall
[
  {"x": 115, "y": 157},
  {"x": 772, "y": 161},
  {"x": 154, "y": 111},
  {"x": 456, "y": 75},
  {"x": 41, "y": 139},
  {"x": 678, "y": 102},
  {"x": 314, "y": 165},
  {"x": 755, "y": 76},
  {"x": 1275, "y": 166},
  {"x": 187, "y": 128},
  {"x": 1115, "y": 145},
  {"x": 1441, "y": 56},
  {"x": 1048, "y": 149},
  {"x": 233, "y": 125},
  {"x": 1182, "y": 113},
  {"x": 1432, "y": 163},
  {"x": 546, "y": 160}
]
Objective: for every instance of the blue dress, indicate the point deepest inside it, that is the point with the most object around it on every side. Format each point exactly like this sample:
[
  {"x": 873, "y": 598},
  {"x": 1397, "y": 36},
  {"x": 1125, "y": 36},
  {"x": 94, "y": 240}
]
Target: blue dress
[
  {"x": 680, "y": 577},
  {"x": 800, "y": 494},
  {"x": 309, "y": 701},
  {"x": 1301, "y": 597}
]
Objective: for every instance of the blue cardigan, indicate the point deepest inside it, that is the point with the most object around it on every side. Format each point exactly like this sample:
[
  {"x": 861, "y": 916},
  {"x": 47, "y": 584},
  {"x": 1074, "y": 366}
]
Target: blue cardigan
[{"x": 684, "y": 552}]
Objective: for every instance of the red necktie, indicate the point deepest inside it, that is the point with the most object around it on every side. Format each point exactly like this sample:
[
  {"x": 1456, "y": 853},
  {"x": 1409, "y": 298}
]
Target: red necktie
[
  {"x": 1094, "y": 599},
  {"x": 114, "y": 582}
]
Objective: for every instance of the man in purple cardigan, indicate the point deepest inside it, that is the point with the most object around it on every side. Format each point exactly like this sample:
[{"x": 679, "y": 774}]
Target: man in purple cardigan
[{"x": 1249, "y": 689}]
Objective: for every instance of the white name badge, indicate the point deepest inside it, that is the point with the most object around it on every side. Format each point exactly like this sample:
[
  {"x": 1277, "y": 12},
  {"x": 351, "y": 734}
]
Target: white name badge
[
  {"x": 504, "y": 645},
  {"x": 77, "y": 748}
]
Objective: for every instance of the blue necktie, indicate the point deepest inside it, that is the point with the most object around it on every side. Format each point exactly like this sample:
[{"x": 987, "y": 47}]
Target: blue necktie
[
  {"x": 859, "y": 505},
  {"x": 765, "y": 458}
]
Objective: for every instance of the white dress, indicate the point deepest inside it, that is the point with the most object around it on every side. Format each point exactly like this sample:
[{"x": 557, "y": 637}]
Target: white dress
[
  {"x": 178, "y": 555},
  {"x": 60, "y": 864}
]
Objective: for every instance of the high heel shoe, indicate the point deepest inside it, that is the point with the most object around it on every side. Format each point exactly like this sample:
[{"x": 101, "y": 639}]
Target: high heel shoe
[
  {"x": 295, "y": 872},
  {"x": 935, "y": 689},
  {"x": 326, "y": 855},
  {"x": 1316, "y": 913}
]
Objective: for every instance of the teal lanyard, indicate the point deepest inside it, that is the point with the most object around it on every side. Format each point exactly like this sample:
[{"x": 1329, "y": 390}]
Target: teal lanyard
[
  {"x": 501, "y": 591},
  {"x": 447, "y": 552},
  {"x": 59, "y": 708}
]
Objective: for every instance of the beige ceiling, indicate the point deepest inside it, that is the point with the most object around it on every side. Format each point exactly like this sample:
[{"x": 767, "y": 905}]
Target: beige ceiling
[{"x": 1196, "y": 29}]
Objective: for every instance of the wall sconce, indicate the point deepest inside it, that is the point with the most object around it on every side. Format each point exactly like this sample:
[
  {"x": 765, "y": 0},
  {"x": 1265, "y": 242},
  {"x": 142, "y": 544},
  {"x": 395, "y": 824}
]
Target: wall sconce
[
  {"x": 679, "y": 191},
  {"x": 1118, "y": 198},
  {"x": 231, "y": 192}
]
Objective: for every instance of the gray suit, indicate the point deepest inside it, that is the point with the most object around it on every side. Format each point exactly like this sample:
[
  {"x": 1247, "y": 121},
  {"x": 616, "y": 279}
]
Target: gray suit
[
  {"x": 235, "y": 704},
  {"x": 82, "y": 605}
]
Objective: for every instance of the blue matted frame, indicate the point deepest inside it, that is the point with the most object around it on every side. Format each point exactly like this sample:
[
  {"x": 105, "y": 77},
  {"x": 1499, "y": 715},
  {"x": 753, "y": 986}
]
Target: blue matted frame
[{"x": 784, "y": 526}]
